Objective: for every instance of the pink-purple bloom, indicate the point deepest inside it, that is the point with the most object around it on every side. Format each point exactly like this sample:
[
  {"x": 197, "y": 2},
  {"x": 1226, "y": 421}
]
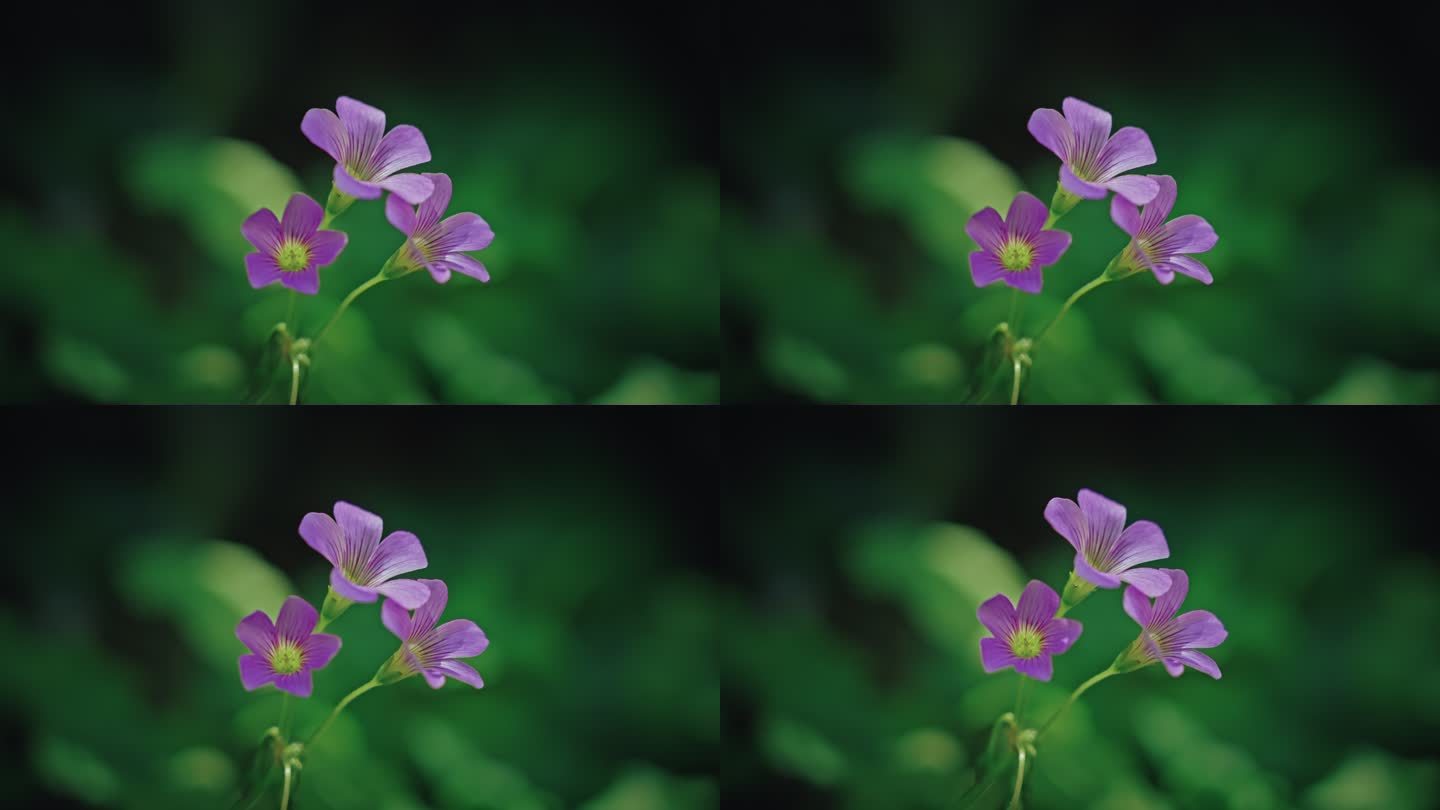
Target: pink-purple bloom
[
  {"x": 434, "y": 651},
  {"x": 1014, "y": 250},
  {"x": 287, "y": 652},
  {"x": 439, "y": 245},
  {"x": 292, "y": 249},
  {"x": 365, "y": 566},
  {"x": 1092, "y": 161},
  {"x": 1106, "y": 550},
  {"x": 1173, "y": 640},
  {"x": 1025, "y": 638},
  {"x": 1160, "y": 246},
  {"x": 367, "y": 158}
]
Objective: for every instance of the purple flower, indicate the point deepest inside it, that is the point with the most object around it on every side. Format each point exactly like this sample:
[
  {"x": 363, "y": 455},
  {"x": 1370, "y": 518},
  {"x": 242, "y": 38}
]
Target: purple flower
[
  {"x": 1015, "y": 248},
  {"x": 365, "y": 564},
  {"x": 1160, "y": 246},
  {"x": 1091, "y": 159},
  {"x": 433, "y": 651},
  {"x": 1026, "y": 638},
  {"x": 1106, "y": 550},
  {"x": 366, "y": 163},
  {"x": 292, "y": 249},
  {"x": 286, "y": 652},
  {"x": 438, "y": 245},
  {"x": 1170, "y": 639}
]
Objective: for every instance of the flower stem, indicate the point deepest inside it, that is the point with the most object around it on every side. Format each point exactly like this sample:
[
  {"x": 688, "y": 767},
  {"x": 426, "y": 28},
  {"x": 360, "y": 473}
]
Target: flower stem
[
  {"x": 1019, "y": 781},
  {"x": 1020, "y": 699},
  {"x": 1069, "y": 302},
  {"x": 1015, "y": 389},
  {"x": 290, "y": 314},
  {"x": 345, "y": 701},
  {"x": 1079, "y": 690},
  {"x": 285, "y": 716},
  {"x": 344, "y": 305},
  {"x": 294, "y": 380}
]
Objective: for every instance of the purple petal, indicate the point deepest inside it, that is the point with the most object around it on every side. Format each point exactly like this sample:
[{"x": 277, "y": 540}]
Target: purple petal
[
  {"x": 1061, "y": 634},
  {"x": 262, "y": 230},
  {"x": 998, "y": 615},
  {"x": 261, "y": 269},
  {"x": 1187, "y": 234},
  {"x": 412, "y": 188},
  {"x": 297, "y": 619},
  {"x": 436, "y": 204},
  {"x": 438, "y": 271},
  {"x": 1065, "y": 517},
  {"x": 362, "y": 532},
  {"x": 255, "y": 672},
  {"x": 1137, "y": 606},
  {"x": 987, "y": 229},
  {"x": 1149, "y": 581},
  {"x": 434, "y": 677},
  {"x": 399, "y": 553},
  {"x": 460, "y": 638},
  {"x": 319, "y": 649},
  {"x": 1080, "y": 188},
  {"x": 1052, "y": 131},
  {"x": 467, "y": 265},
  {"x": 324, "y": 129},
  {"x": 349, "y": 590},
  {"x": 302, "y": 217},
  {"x": 1038, "y": 604},
  {"x": 1049, "y": 246},
  {"x": 1089, "y": 573},
  {"x": 1173, "y": 666},
  {"x": 1159, "y": 208},
  {"x": 256, "y": 633},
  {"x": 364, "y": 126},
  {"x": 323, "y": 534},
  {"x": 1090, "y": 124},
  {"x": 1125, "y": 214},
  {"x": 1141, "y": 542},
  {"x": 1026, "y": 216},
  {"x": 1041, "y": 667},
  {"x": 325, "y": 246},
  {"x": 1163, "y": 273},
  {"x": 400, "y": 214},
  {"x": 429, "y": 613},
  {"x": 305, "y": 281},
  {"x": 1133, "y": 187},
  {"x": 985, "y": 269},
  {"x": 396, "y": 619},
  {"x": 355, "y": 187},
  {"x": 1198, "y": 661},
  {"x": 299, "y": 684},
  {"x": 995, "y": 654},
  {"x": 408, "y": 593},
  {"x": 1029, "y": 280},
  {"x": 401, "y": 148},
  {"x": 1127, "y": 149},
  {"x": 459, "y": 233},
  {"x": 462, "y": 672},
  {"x": 1169, "y": 602},
  {"x": 1104, "y": 517},
  {"x": 1198, "y": 629},
  {"x": 1190, "y": 267}
]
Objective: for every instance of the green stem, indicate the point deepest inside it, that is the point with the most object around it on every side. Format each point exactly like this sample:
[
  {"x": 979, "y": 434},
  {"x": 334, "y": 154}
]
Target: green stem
[
  {"x": 285, "y": 713},
  {"x": 294, "y": 379},
  {"x": 1069, "y": 302},
  {"x": 1014, "y": 308},
  {"x": 345, "y": 701},
  {"x": 290, "y": 314},
  {"x": 1015, "y": 389},
  {"x": 1079, "y": 690},
  {"x": 344, "y": 305},
  {"x": 285, "y": 793},
  {"x": 1020, "y": 700},
  {"x": 1019, "y": 782}
]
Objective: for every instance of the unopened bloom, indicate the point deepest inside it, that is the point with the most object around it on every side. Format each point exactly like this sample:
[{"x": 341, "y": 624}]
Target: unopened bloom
[
  {"x": 1014, "y": 249},
  {"x": 365, "y": 565},
  {"x": 1106, "y": 550},
  {"x": 1092, "y": 161},
  {"x": 1166, "y": 638},
  {"x": 291, "y": 249},
  {"x": 287, "y": 652},
  {"x": 1025, "y": 638},
  {"x": 435, "y": 244},
  {"x": 429, "y": 650},
  {"x": 367, "y": 158},
  {"x": 1160, "y": 246}
]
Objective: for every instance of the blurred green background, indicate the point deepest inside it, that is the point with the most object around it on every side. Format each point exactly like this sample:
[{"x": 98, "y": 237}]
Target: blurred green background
[
  {"x": 139, "y": 541},
  {"x": 141, "y": 145},
  {"x": 865, "y": 541},
  {"x": 871, "y": 135}
]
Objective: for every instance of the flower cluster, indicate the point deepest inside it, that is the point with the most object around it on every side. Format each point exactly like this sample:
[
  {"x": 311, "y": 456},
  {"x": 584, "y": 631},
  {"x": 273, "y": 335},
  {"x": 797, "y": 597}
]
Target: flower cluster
[{"x": 365, "y": 568}]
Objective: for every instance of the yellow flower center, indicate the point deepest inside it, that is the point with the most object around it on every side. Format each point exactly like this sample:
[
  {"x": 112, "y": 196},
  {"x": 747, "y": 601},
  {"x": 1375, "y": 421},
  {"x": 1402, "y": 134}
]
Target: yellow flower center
[
  {"x": 1016, "y": 256},
  {"x": 287, "y": 658},
  {"x": 293, "y": 256},
  {"x": 1027, "y": 642}
]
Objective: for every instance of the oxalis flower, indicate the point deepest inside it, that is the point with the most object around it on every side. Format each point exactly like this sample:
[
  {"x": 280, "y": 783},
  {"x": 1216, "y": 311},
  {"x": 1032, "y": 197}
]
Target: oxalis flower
[
  {"x": 429, "y": 650},
  {"x": 1166, "y": 638},
  {"x": 1160, "y": 246},
  {"x": 1092, "y": 161},
  {"x": 287, "y": 652},
  {"x": 291, "y": 249},
  {"x": 435, "y": 244},
  {"x": 365, "y": 565},
  {"x": 366, "y": 157},
  {"x": 1014, "y": 250},
  {"x": 1106, "y": 550},
  {"x": 1025, "y": 638}
]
